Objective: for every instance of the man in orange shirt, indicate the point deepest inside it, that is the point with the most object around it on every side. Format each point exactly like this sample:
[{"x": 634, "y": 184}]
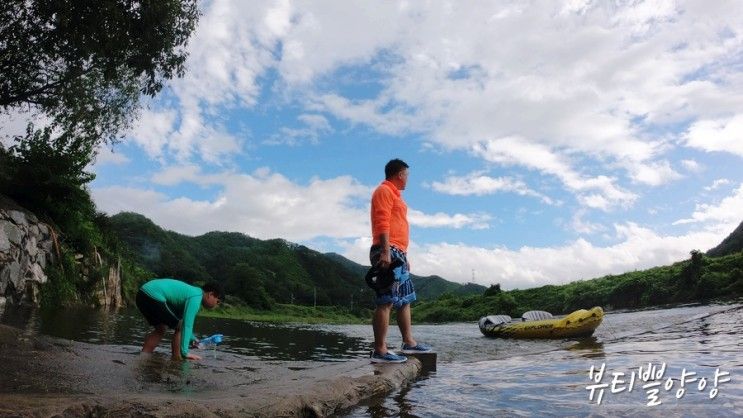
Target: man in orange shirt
[{"x": 390, "y": 238}]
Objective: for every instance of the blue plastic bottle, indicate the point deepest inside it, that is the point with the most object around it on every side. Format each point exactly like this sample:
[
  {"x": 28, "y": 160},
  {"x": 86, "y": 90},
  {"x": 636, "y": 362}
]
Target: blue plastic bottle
[{"x": 210, "y": 341}]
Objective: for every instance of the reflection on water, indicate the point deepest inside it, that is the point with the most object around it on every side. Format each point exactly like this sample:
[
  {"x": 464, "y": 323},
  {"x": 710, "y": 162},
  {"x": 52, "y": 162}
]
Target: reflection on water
[
  {"x": 284, "y": 342},
  {"x": 255, "y": 340},
  {"x": 589, "y": 347},
  {"x": 478, "y": 376}
]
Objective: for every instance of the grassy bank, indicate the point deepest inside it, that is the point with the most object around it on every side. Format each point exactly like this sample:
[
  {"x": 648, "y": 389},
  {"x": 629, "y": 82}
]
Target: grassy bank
[
  {"x": 281, "y": 313},
  {"x": 701, "y": 279}
]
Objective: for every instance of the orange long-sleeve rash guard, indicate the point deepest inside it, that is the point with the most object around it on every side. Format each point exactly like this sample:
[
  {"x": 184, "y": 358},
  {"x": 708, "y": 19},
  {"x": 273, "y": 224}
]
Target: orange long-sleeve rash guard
[{"x": 389, "y": 214}]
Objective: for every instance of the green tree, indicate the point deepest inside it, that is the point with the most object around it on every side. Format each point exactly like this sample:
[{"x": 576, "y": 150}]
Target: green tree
[
  {"x": 246, "y": 282},
  {"x": 84, "y": 63},
  {"x": 493, "y": 290},
  {"x": 78, "y": 68},
  {"x": 47, "y": 175}
]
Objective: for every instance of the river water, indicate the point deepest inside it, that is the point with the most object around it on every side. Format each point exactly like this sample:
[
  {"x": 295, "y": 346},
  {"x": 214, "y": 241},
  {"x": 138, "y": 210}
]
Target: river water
[{"x": 640, "y": 360}]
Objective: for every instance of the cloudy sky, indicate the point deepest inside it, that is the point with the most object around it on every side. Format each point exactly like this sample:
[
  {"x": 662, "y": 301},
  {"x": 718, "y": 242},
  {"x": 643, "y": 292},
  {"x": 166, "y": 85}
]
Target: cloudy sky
[{"x": 548, "y": 141}]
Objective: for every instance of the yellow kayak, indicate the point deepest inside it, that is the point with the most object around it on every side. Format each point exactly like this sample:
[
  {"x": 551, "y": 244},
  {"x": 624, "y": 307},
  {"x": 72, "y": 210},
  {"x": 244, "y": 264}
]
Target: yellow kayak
[{"x": 540, "y": 324}]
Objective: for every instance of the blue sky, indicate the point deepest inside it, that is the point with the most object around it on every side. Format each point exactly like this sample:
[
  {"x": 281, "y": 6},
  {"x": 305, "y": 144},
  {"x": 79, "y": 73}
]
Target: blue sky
[{"x": 548, "y": 141}]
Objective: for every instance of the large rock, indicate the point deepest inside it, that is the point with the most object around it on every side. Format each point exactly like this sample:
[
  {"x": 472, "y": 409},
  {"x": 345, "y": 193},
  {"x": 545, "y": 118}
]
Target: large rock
[
  {"x": 32, "y": 247},
  {"x": 4, "y": 241},
  {"x": 10, "y": 274},
  {"x": 108, "y": 289},
  {"x": 25, "y": 250},
  {"x": 12, "y": 233},
  {"x": 35, "y": 274},
  {"x": 18, "y": 217}
]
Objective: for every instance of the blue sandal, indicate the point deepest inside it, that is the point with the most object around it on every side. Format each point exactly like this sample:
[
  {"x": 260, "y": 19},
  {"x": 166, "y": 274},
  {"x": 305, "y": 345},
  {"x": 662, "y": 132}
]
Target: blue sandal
[
  {"x": 388, "y": 357},
  {"x": 418, "y": 348}
]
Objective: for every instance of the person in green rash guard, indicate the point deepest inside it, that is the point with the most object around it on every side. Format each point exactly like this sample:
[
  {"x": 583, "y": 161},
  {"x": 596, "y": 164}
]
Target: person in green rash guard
[{"x": 170, "y": 303}]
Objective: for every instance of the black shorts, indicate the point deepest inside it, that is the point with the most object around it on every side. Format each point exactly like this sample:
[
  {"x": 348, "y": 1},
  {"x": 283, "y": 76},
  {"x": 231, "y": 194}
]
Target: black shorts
[{"x": 155, "y": 312}]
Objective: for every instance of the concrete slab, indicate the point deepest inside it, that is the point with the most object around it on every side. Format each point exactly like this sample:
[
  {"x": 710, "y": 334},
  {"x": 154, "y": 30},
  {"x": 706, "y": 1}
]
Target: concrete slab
[
  {"x": 427, "y": 360},
  {"x": 45, "y": 376}
]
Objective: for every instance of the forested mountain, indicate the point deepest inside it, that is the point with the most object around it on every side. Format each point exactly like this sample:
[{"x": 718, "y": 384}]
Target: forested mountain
[
  {"x": 730, "y": 245},
  {"x": 259, "y": 272}
]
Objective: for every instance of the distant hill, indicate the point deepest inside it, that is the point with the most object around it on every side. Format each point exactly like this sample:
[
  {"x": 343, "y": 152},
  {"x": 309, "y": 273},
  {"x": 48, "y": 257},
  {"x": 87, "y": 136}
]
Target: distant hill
[
  {"x": 260, "y": 272},
  {"x": 730, "y": 245}
]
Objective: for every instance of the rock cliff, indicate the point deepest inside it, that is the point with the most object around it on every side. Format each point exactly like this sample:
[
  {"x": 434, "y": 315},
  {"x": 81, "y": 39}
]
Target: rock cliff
[
  {"x": 29, "y": 247},
  {"x": 26, "y": 249}
]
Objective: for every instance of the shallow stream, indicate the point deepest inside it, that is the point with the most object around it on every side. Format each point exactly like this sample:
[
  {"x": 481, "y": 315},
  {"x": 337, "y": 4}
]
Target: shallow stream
[{"x": 699, "y": 346}]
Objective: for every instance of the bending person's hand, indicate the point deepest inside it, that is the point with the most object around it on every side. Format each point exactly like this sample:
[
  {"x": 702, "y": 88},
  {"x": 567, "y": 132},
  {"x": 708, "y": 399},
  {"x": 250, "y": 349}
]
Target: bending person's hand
[{"x": 191, "y": 356}]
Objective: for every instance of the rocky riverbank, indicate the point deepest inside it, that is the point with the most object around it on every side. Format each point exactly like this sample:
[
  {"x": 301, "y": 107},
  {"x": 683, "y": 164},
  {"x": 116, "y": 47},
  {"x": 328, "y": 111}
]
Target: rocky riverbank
[
  {"x": 44, "y": 376},
  {"x": 28, "y": 247}
]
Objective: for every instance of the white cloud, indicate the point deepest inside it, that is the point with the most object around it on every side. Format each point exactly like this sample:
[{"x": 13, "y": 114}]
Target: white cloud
[
  {"x": 595, "y": 192},
  {"x": 692, "y": 166},
  {"x": 443, "y": 220},
  {"x": 231, "y": 47},
  {"x": 528, "y": 267},
  {"x": 581, "y": 226},
  {"x": 369, "y": 112},
  {"x": 262, "y": 204},
  {"x": 575, "y": 6},
  {"x": 643, "y": 15},
  {"x": 654, "y": 174},
  {"x": 727, "y": 211},
  {"x": 314, "y": 126},
  {"x": 152, "y": 130},
  {"x": 717, "y": 184},
  {"x": 107, "y": 155},
  {"x": 478, "y": 184},
  {"x": 325, "y": 36},
  {"x": 173, "y": 175},
  {"x": 724, "y": 135},
  {"x": 183, "y": 134}
]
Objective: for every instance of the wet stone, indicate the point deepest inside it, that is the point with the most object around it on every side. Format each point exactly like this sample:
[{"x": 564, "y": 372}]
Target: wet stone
[
  {"x": 11, "y": 273},
  {"x": 18, "y": 217},
  {"x": 428, "y": 360},
  {"x": 12, "y": 232},
  {"x": 31, "y": 246},
  {"x": 4, "y": 241}
]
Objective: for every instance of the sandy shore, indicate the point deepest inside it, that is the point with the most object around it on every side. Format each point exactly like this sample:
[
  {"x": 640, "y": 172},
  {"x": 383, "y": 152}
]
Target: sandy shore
[{"x": 43, "y": 376}]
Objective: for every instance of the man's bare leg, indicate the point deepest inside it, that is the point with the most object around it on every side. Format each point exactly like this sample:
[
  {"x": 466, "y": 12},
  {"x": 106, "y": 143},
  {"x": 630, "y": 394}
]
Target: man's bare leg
[
  {"x": 380, "y": 323},
  {"x": 405, "y": 324},
  {"x": 152, "y": 340},
  {"x": 175, "y": 344}
]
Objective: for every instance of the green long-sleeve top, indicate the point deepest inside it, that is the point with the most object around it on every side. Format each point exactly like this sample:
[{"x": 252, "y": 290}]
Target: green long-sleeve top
[{"x": 182, "y": 299}]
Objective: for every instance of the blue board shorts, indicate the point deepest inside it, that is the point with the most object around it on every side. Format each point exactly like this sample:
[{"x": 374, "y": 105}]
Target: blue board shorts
[{"x": 402, "y": 291}]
